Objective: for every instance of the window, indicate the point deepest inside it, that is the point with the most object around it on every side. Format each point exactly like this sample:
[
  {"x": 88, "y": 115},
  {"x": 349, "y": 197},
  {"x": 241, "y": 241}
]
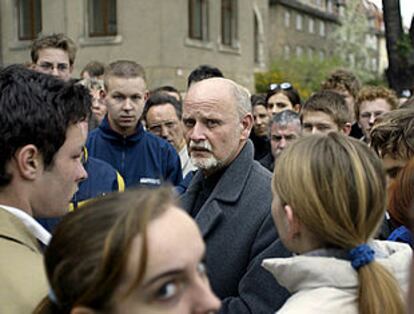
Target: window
[
  {"x": 321, "y": 55},
  {"x": 374, "y": 64},
  {"x": 286, "y": 52},
  {"x": 351, "y": 58},
  {"x": 311, "y": 26},
  {"x": 322, "y": 29},
  {"x": 102, "y": 18},
  {"x": 229, "y": 22},
  {"x": 287, "y": 19},
  {"x": 29, "y": 14},
  {"x": 299, "y": 22},
  {"x": 311, "y": 52},
  {"x": 329, "y": 6},
  {"x": 256, "y": 40},
  {"x": 198, "y": 19},
  {"x": 299, "y": 51}
]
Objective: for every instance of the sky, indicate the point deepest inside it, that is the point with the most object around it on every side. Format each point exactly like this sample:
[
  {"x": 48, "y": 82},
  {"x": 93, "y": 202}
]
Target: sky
[{"x": 407, "y": 10}]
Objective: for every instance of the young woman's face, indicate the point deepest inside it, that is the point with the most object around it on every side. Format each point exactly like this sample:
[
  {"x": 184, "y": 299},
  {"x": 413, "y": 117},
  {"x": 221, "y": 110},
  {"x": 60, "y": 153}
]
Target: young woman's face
[{"x": 175, "y": 280}]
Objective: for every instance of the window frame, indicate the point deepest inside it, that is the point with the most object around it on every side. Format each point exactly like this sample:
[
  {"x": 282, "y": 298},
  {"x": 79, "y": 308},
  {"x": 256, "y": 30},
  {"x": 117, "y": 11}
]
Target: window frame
[
  {"x": 21, "y": 35},
  {"x": 229, "y": 37},
  {"x": 203, "y": 23},
  {"x": 299, "y": 22},
  {"x": 105, "y": 19}
]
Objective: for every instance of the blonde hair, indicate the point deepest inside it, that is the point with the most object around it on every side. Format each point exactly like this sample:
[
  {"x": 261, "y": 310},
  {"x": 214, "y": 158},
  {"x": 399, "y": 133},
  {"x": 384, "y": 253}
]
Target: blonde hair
[{"x": 336, "y": 187}]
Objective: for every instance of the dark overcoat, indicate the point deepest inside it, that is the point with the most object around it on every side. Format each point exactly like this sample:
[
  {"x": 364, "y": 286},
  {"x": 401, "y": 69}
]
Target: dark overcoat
[{"x": 239, "y": 232}]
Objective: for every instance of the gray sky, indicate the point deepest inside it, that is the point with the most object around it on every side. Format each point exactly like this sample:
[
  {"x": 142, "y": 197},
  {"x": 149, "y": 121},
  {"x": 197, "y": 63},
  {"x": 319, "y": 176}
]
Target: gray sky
[{"x": 407, "y": 10}]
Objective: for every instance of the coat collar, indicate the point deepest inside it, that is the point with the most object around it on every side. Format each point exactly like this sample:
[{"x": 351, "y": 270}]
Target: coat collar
[
  {"x": 228, "y": 189},
  {"x": 13, "y": 229},
  {"x": 233, "y": 180}
]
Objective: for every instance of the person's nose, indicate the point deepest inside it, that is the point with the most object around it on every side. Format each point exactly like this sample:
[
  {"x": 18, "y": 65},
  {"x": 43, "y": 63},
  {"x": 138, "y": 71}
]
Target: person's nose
[
  {"x": 205, "y": 301},
  {"x": 371, "y": 119},
  {"x": 55, "y": 71},
  {"x": 282, "y": 143},
  {"x": 197, "y": 133},
  {"x": 164, "y": 131},
  {"x": 95, "y": 103},
  {"x": 127, "y": 105},
  {"x": 82, "y": 174}
]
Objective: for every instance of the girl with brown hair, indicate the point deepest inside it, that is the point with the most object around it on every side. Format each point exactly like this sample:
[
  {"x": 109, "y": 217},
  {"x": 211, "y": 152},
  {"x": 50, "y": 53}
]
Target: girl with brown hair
[
  {"x": 134, "y": 252},
  {"x": 329, "y": 200}
]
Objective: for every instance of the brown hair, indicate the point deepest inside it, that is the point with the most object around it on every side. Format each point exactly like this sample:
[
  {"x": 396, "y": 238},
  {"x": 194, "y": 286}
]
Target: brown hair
[
  {"x": 401, "y": 195},
  {"x": 370, "y": 93},
  {"x": 124, "y": 69},
  {"x": 342, "y": 80},
  {"x": 331, "y": 103},
  {"x": 90, "y": 248},
  {"x": 341, "y": 211},
  {"x": 94, "y": 69},
  {"x": 393, "y": 134},
  {"x": 58, "y": 41}
]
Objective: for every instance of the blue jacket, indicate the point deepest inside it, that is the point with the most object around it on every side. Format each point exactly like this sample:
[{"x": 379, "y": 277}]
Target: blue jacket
[
  {"x": 102, "y": 179},
  {"x": 141, "y": 158}
]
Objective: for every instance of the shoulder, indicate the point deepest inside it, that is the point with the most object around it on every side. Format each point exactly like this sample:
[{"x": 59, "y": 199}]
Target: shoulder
[
  {"x": 325, "y": 300},
  {"x": 95, "y": 165}
]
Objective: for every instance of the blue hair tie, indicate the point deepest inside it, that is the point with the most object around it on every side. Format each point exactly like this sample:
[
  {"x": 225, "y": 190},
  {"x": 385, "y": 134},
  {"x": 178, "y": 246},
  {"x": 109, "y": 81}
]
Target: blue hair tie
[
  {"x": 361, "y": 255},
  {"x": 52, "y": 296}
]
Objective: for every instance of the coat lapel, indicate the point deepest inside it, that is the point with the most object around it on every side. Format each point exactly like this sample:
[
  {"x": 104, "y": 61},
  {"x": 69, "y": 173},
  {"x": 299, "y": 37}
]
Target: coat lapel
[{"x": 227, "y": 190}]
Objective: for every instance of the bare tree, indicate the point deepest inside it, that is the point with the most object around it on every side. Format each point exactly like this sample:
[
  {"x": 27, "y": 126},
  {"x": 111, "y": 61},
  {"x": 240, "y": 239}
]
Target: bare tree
[{"x": 400, "y": 72}]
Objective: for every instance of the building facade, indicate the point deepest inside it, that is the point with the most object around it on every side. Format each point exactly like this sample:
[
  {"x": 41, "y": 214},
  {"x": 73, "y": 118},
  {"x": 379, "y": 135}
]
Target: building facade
[{"x": 170, "y": 38}]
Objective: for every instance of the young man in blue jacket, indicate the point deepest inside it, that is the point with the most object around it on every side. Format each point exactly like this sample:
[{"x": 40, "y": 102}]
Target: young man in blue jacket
[{"x": 140, "y": 157}]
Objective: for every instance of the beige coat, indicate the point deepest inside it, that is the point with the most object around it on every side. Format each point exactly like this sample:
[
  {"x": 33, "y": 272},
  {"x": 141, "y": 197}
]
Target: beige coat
[
  {"x": 22, "y": 277},
  {"x": 326, "y": 285}
]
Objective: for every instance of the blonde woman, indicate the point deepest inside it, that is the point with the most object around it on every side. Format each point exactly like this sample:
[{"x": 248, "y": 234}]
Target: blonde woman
[{"x": 328, "y": 201}]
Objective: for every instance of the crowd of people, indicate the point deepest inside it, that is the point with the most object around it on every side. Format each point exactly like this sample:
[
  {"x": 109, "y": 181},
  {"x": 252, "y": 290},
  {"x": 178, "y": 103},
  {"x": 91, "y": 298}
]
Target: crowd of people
[{"x": 119, "y": 199}]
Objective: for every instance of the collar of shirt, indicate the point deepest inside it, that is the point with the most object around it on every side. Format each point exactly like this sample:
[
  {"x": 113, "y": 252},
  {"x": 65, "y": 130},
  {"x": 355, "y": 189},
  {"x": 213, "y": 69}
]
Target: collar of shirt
[{"x": 34, "y": 227}]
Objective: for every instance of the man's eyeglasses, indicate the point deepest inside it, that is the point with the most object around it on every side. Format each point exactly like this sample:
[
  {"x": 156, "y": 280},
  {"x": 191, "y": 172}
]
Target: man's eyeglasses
[
  {"x": 48, "y": 67},
  {"x": 282, "y": 86}
]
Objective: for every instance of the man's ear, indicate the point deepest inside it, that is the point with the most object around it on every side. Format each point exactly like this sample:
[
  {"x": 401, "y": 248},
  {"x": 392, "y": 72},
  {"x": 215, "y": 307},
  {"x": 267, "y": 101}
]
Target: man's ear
[
  {"x": 297, "y": 107},
  {"x": 146, "y": 95},
  {"x": 246, "y": 123},
  {"x": 81, "y": 310},
  {"x": 294, "y": 225},
  {"x": 28, "y": 162},
  {"x": 347, "y": 128}
]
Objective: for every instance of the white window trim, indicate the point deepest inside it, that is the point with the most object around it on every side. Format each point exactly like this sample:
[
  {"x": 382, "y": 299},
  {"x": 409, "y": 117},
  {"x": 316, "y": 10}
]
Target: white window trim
[{"x": 86, "y": 40}]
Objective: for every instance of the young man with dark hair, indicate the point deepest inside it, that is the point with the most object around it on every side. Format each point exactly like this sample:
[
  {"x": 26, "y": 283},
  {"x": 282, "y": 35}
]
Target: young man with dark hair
[
  {"x": 43, "y": 133},
  {"x": 392, "y": 137},
  {"x": 203, "y": 72},
  {"x": 140, "y": 157},
  {"x": 347, "y": 84}
]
